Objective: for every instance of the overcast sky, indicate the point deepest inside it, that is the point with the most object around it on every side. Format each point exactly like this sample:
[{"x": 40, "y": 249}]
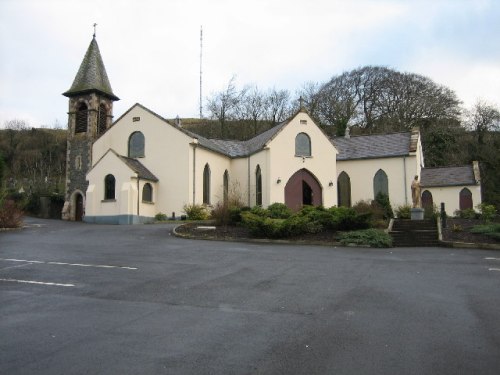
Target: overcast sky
[{"x": 151, "y": 48}]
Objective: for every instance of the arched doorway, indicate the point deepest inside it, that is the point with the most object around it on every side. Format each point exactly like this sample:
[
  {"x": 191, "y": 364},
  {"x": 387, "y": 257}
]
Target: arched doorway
[
  {"x": 427, "y": 201},
  {"x": 303, "y": 189},
  {"x": 465, "y": 199},
  {"x": 78, "y": 207}
]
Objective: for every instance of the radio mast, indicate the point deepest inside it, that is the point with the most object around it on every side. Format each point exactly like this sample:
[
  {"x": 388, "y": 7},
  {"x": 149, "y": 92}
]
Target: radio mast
[{"x": 201, "y": 73}]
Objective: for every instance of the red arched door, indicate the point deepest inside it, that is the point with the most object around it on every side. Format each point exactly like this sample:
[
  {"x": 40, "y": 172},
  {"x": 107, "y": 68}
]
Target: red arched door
[
  {"x": 303, "y": 189},
  {"x": 78, "y": 207}
]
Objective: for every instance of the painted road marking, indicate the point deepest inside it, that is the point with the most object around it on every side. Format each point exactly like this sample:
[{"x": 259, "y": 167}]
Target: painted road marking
[
  {"x": 492, "y": 258},
  {"x": 69, "y": 264},
  {"x": 35, "y": 282},
  {"x": 494, "y": 269}
]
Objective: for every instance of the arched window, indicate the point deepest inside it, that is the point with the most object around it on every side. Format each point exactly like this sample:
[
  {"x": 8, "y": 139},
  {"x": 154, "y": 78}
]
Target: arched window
[
  {"x": 344, "y": 190},
  {"x": 427, "y": 201},
  {"x": 206, "y": 184},
  {"x": 136, "y": 145},
  {"x": 102, "y": 119},
  {"x": 82, "y": 114},
  {"x": 109, "y": 187},
  {"x": 226, "y": 187},
  {"x": 380, "y": 183},
  {"x": 302, "y": 145},
  {"x": 465, "y": 199},
  {"x": 258, "y": 186},
  {"x": 147, "y": 193}
]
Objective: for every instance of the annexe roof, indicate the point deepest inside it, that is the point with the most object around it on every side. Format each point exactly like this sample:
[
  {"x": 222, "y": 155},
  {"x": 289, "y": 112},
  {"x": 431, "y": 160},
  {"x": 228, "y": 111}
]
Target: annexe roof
[
  {"x": 447, "y": 176},
  {"x": 142, "y": 172},
  {"x": 92, "y": 75},
  {"x": 374, "y": 146}
]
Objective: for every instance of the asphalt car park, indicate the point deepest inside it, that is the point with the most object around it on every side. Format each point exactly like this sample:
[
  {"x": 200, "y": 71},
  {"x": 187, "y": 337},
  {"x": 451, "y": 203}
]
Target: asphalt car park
[{"x": 100, "y": 299}]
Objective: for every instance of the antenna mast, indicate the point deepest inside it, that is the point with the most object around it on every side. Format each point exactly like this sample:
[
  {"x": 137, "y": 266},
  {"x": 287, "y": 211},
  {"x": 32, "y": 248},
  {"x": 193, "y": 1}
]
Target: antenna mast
[{"x": 201, "y": 73}]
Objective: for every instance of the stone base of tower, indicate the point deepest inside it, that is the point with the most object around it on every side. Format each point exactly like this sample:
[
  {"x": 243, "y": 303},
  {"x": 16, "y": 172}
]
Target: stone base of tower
[{"x": 66, "y": 211}]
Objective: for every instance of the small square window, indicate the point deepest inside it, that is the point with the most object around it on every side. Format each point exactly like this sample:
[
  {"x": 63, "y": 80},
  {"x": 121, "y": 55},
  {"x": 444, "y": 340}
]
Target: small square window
[
  {"x": 135, "y": 119},
  {"x": 303, "y": 122}
]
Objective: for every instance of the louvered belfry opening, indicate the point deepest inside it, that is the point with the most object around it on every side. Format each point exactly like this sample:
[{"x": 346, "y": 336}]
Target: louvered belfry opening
[
  {"x": 101, "y": 121},
  {"x": 82, "y": 115}
]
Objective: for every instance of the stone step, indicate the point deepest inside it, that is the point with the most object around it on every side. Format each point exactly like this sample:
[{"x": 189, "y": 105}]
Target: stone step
[{"x": 414, "y": 233}]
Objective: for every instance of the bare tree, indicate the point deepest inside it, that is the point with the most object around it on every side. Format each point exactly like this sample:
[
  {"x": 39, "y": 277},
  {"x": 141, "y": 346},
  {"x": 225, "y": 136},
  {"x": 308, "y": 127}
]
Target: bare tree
[
  {"x": 481, "y": 118},
  {"x": 253, "y": 106},
  {"x": 224, "y": 105},
  {"x": 278, "y": 105}
]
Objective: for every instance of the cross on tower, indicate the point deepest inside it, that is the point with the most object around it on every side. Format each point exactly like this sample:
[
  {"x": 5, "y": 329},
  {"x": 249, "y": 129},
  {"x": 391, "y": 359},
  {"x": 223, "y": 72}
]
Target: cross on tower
[{"x": 95, "y": 24}]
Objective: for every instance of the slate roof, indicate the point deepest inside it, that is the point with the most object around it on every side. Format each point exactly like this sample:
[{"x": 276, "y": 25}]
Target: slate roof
[
  {"x": 92, "y": 75},
  {"x": 235, "y": 149},
  {"x": 142, "y": 172},
  {"x": 374, "y": 146},
  {"x": 447, "y": 176}
]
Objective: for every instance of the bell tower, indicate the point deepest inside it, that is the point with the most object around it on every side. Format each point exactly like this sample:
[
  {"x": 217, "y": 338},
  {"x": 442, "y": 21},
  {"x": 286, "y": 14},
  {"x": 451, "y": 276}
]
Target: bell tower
[{"x": 90, "y": 114}]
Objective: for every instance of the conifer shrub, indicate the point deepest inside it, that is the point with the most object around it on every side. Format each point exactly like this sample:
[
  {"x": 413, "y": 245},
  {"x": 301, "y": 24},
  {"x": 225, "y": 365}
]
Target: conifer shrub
[
  {"x": 490, "y": 230},
  {"x": 196, "y": 211},
  {"x": 160, "y": 217},
  {"x": 279, "y": 211},
  {"x": 384, "y": 202},
  {"x": 368, "y": 237},
  {"x": 403, "y": 211}
]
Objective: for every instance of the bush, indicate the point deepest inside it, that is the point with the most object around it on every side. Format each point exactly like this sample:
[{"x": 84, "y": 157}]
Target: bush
[
  {"x": 431, "y": 212},
  {"x": 262, "y": 226},
  {"x": 279, "y": 211},
  {"x": 160, "y": 217},
  {"x": 11, "y": 216},
  {"x": 403, "y": 212},
  {"x": 488, "y": 211},
  {"x": 224, "y": 214},
  {"x": 344, "y": 218},
  {"x": 196, "y": 211},
  {"x": 367, "y": 237},
  {"x": 385, "y": 204},
  {"x": 490, "y": 230},
  {"x": 466, "y": 214}
]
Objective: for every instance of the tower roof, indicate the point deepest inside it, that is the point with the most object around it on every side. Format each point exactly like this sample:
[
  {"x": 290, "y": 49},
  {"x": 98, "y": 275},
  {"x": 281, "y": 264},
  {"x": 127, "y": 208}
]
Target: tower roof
[{"x": 92, "y": 75}]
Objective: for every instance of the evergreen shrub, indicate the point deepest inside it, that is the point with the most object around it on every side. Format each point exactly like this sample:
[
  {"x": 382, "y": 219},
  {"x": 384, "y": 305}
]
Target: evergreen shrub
[
  {"x": 196, "y": 211},
  {"x": 368, "y": 237}
]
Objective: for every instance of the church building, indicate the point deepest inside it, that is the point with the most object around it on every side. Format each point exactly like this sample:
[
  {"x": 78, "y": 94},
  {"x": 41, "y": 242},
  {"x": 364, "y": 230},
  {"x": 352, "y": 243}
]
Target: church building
[{"x": 129, "y": 170}]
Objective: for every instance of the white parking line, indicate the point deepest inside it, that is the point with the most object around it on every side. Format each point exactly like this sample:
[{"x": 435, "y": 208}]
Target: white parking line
[
  {"x": 492, "y": 258},
  {"x": 69, "y": 264},
  {"x": 494, "y": 269},
  {"x": 35, "y": 282}
]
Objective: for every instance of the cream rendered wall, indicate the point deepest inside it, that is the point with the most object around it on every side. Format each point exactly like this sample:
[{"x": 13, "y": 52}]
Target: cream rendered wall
[
  {"x": 167, "y": 156},
  {"x": 218, "y": 164},
  {"x": 283, "y": 163},
  {"x": 146, "y": 208},
  {"x": 238, "y": 180},
  {"x": 261, "y": 159},
  {"x": 450, "y": 196},
  {"x": 125, "y": 191},
  {"x": 399, "y": 170}
]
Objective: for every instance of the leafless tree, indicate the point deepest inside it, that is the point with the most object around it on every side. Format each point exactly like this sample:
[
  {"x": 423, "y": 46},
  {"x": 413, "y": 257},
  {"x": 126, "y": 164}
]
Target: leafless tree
[{"x": 481, "y": 118}]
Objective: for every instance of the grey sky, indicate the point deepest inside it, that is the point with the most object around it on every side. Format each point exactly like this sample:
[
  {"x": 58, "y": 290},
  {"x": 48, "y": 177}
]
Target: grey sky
[{"x": 151, "y": 48}]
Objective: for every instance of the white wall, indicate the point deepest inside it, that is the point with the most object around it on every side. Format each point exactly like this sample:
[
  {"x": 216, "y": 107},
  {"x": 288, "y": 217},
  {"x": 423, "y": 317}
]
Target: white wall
[
  {"x": 400, "y": 173},
  {"x": 450, "y": 196},
  {"x": 283, "y": 163},
  {"x": 167, "y": 156},
  {"x": 125, "y": 191}
]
